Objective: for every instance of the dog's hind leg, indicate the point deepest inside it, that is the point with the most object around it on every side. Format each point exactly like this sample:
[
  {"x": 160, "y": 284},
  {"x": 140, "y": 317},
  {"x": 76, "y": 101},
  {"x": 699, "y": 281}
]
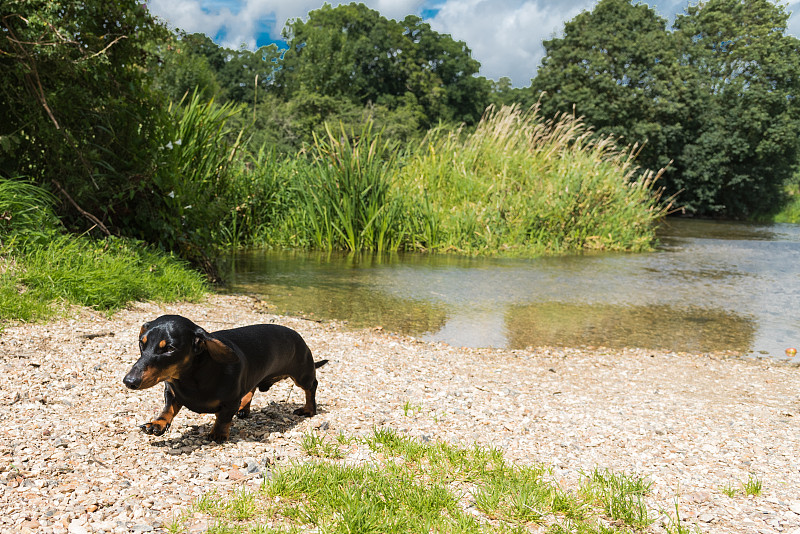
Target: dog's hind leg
[
  {"x": 244, "y": 407},
  {"x": 310, "y": 389}
]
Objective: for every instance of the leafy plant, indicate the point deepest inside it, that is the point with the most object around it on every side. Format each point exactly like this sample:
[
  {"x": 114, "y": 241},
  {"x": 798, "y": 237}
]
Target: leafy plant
[{"x": 347, "y": 194}]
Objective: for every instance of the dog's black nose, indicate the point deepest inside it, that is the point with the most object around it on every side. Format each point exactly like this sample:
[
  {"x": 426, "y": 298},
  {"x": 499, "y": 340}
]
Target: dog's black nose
[{"x": 131, "y": 381}]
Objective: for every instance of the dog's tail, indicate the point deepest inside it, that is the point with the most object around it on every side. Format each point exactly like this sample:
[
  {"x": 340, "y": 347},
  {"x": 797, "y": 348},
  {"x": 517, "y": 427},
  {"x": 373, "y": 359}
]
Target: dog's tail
[{"x": 320, "y": 363}]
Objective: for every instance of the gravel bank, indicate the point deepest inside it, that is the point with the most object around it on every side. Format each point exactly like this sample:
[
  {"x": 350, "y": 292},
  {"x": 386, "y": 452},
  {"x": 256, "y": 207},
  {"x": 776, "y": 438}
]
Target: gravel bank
[{"x": 72, "y": 458}]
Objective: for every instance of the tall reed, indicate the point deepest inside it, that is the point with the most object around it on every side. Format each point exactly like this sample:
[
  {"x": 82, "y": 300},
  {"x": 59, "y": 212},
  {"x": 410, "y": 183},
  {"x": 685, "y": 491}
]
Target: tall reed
[
  {"x": 347, "y": 192},
  {"x": 518, "y": 184}
]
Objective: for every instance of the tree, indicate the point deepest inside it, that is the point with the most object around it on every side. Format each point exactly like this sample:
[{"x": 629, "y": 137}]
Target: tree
[
  {"x": 745, "y": 147},
  {"x": 76, "y": 105},
  {"x": 352, "y": 52},
  {"x": 717, "y": 96},
  {"x": 185, "y": 63},
  {"x": 616, "y": 67}
]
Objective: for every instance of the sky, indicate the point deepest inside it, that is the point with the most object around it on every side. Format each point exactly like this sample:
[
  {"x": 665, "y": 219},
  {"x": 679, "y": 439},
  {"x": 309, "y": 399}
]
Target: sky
[{"x": 504, "y": 35}]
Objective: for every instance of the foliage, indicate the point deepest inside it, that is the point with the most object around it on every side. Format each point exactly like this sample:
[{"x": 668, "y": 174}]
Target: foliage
[
  {"x": 521, "y": 185},
  {"x": 409, "y": 486},
  {"x": 42, "y": 268},
  {"x": 516, "y": 185},
  {"x": 179, "y": 66},
  {"x": 354, "y": 53},
  {"x": 76, "y": 103},
  {"x": 716, "y": 95},
  {"x": 187, "y": 62},
  {"x": 746, "y": 144},
  {"x": 347, "y": 196},
  {"x": 185, "y": 204},
  {"x": 616, "y": 67}
]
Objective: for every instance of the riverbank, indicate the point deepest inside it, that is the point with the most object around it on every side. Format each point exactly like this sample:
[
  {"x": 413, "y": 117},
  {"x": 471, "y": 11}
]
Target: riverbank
[{"x": 72, "y": 458}]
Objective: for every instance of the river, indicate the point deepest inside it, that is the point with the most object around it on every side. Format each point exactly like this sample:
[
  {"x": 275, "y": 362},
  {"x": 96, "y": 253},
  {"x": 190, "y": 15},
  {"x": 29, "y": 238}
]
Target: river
[{"x": 710, "y": 286}]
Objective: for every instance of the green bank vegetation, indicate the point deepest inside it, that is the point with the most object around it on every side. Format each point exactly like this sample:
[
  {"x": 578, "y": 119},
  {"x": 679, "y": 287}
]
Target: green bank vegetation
[
  {"x": 514, "y": 185},
  {"x": 147, "y": 143},
  {"x": 43, "y": 269},
  {"x": 411, "y": 486}
]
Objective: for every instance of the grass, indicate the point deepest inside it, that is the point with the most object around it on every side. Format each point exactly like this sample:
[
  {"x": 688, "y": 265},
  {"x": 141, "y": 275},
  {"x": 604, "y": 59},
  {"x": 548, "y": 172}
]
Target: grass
[
  {"x": 674, "y": 525},
  {"x": 410, "y": 486},
  {"x": 752, "y": 486},
  {"x": 620, "y": 496},
  {"x": 43, "y": 269},
  {"x": 522, "y": 185},
  {"x": 516, "y": 185}
]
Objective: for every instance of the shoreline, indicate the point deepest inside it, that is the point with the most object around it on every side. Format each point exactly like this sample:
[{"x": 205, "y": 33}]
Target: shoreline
[{"x": 72, "y": 456}]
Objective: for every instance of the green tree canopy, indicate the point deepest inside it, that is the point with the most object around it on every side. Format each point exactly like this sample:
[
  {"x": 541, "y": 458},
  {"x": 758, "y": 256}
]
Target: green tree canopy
[
  {"x": 353, "y": 53},
  {"x": 75, "y": 99},
  {"x": 716, "y": 96},
  {"x": 747, "y": 136},
  {"x": 616, "y": 66}
]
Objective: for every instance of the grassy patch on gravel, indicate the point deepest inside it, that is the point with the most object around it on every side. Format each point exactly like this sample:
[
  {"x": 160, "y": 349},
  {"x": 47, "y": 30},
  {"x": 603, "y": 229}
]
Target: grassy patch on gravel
[{"x": 410, "y": 486}]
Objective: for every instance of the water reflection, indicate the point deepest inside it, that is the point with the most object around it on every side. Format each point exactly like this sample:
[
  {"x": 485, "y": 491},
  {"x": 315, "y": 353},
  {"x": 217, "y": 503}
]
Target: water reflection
[
  {"x": 657, "y": 327},
  {"x": 711, "y": 286}
]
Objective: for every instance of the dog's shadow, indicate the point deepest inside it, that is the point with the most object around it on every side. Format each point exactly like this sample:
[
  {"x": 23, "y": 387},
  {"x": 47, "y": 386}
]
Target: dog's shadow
[{"x": 263, "y": 421}]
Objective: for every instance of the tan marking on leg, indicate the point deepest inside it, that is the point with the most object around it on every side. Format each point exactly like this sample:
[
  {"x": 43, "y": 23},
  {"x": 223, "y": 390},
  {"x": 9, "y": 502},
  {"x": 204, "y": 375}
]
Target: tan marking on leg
[
  {"x": 246, "y": 400},
  {"x": 310, "y": 408},
  {"x": 160, "y": 424},
  {"x": 244, "y": 406}
]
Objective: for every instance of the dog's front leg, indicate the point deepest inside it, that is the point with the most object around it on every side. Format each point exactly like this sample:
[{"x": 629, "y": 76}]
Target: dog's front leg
[
  {"x": 160, "y": 424},
  {"x": 222, "y": 424}
]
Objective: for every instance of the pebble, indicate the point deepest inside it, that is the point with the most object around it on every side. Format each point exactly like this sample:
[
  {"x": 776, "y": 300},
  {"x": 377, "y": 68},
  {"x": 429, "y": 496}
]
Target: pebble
[{"x": 72, "y": 458}]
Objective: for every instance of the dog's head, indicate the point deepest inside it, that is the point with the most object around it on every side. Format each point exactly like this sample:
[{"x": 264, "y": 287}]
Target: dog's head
[{"x": 167, "y": 346}]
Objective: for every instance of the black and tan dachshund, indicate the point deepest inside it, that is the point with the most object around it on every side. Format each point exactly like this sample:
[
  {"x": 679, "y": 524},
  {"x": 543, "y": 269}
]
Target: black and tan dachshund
[{"x": 219, "y": 372}]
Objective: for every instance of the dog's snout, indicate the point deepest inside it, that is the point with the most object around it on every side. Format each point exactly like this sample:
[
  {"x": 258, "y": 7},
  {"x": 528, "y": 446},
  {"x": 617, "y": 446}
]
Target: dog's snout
[{"x": 132, "y": 381}]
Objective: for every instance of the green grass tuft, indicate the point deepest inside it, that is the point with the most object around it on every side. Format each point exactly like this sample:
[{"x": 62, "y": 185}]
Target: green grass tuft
[
  {"x": 752, "y": 486},
  {"x": 409, "y": 486}
]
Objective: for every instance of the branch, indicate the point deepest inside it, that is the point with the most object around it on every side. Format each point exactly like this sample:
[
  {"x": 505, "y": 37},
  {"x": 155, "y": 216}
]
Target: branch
[{"x": 83, "y": 212}]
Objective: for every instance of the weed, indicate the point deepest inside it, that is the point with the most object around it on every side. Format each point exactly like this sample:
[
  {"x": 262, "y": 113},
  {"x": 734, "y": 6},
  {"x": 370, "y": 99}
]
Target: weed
[
  {"x": 620, "y": 496},
  {"x": 242, "y": 506},
  {"x": 409, "y": 408},
  {"x": 674, "y": 525},
  {"x": 752, "y": 486},
  {"x": 729, "y": 490},
  {"x": 316, "y": 445}
]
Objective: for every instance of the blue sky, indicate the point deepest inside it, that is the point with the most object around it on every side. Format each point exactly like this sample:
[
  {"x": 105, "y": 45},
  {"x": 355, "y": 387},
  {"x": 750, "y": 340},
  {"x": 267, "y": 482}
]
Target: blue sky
[{"x": 504, "y": 35}]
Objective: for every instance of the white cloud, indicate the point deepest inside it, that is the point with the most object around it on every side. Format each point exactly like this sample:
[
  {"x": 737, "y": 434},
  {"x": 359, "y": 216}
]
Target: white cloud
[
  {"x": 793, "y": 26},
  {"x": 506, "y": 36}
]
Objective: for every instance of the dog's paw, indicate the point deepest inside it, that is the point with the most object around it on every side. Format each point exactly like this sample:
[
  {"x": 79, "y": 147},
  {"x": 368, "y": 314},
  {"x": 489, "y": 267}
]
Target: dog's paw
[
  {"x": 218, "y": 437},
  {"x": 244, "y": 413},
  {"x": 306, "y": 411},
  {"x": 155, "y": 428}
]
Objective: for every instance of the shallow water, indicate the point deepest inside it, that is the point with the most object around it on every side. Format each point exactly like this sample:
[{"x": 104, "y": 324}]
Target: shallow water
[{"x": 711, "y": 286}]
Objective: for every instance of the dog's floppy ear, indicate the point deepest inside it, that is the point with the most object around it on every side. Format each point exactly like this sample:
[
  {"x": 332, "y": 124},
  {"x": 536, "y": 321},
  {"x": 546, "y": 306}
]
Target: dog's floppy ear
[{"x": 219, "y": 351}]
